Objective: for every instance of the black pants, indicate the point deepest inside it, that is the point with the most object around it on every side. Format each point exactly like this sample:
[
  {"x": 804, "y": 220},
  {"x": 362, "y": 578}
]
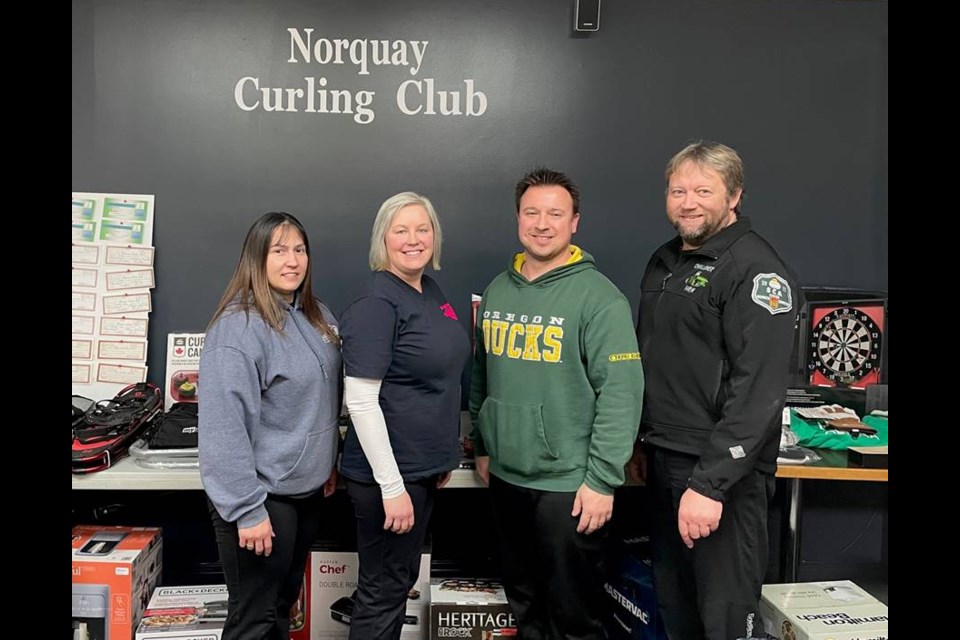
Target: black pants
[
  {"x": 263, "y": 588},
  {"x": 389, "y": 562},
  {"x": 552, "y": 575},
  {"x": 712, "y": 591}
]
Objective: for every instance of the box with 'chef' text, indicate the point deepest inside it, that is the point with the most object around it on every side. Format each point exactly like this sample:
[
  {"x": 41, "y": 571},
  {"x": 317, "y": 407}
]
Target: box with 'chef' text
[
  {"x": 836, "y": 610},
  {"x": 332, "y": 589}
]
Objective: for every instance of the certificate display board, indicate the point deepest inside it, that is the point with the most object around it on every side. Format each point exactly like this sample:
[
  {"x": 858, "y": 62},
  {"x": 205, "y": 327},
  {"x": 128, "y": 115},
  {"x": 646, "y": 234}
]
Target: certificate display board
[{"x": 112, "y": 280}]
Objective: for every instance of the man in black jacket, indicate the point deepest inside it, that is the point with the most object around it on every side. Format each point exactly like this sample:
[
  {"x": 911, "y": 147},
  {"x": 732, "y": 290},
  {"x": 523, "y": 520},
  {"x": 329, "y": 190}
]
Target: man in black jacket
[{"x": 717, "y": 317}]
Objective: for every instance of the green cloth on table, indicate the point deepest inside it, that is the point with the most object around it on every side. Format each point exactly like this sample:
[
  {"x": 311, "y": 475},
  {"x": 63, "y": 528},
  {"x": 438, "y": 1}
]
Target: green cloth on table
[{"x": 811, "y": 433}]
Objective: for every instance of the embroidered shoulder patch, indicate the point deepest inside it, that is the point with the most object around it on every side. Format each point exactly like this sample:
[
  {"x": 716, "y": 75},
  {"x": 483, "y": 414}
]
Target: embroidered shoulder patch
[{"x": 772, "y": 292}]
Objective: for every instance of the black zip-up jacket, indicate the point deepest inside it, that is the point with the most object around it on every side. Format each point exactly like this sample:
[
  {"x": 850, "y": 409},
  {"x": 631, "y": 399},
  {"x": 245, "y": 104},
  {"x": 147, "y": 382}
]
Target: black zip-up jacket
[{"x": 716, "y": 328}]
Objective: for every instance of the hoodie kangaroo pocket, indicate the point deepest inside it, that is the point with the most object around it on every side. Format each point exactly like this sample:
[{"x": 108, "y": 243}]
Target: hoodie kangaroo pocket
[
  {"x": 514, "y": 435},
  {"x": 306, "y": 471}
]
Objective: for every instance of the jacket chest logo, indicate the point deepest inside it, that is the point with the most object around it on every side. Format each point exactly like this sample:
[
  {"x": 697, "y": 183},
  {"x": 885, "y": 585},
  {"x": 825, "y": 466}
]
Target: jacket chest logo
[{"x": 698, "y": 279}]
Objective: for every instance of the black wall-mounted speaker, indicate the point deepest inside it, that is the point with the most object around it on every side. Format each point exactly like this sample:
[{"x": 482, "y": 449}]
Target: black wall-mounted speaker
[{"x": 587, "y": 15}]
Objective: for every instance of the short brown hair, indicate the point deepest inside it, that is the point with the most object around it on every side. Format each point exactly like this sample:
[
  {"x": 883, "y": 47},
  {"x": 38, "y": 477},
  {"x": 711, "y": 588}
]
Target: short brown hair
[{"x": 543, "y": 177}]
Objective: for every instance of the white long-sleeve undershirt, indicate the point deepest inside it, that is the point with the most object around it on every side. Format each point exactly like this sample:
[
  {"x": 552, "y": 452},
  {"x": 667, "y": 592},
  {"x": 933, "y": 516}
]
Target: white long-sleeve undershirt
[{"x": 362, "y": 397}]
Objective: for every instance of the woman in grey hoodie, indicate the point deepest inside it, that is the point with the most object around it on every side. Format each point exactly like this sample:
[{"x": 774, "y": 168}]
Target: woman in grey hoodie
[{"x": 269, "y": 396}]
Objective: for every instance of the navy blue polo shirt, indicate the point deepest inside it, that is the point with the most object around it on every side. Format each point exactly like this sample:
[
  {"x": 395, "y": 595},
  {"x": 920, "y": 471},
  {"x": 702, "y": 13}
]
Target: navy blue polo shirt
[{"x": 415, "y": 344}]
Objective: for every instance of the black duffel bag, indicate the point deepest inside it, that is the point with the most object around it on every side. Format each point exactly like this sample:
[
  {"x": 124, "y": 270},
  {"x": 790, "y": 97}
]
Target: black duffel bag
[{"x": 176, "y": 429}]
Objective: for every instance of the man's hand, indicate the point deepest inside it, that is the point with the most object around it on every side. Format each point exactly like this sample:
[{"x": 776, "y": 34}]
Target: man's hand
[
  {"x": 593, "y": 508},
  {"x": 330, "y": 486},
  {"x": 637, "y": 466},
  {"x": 399, "y": 513},
  {"x": 699, "y": 516},
  {"x": 483, "y": 469},
  {"x": 258, "y": 538}
]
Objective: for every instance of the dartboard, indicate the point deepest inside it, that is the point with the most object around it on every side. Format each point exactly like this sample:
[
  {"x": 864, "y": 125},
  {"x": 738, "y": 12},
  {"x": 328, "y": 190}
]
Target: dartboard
[{"x": 845, "y": 346}]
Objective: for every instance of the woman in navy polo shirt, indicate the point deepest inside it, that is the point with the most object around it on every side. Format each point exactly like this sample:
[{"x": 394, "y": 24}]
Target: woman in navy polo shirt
[{"x": 404, "y": 351}]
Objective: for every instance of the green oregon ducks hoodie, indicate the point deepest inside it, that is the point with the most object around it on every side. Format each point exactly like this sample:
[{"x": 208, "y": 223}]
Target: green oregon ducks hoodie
[{"x": 557, "y": 383}]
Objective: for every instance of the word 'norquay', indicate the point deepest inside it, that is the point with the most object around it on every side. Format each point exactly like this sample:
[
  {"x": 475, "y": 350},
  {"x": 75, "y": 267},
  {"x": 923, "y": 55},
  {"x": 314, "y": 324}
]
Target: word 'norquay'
[{"x": 359, "y": 51}]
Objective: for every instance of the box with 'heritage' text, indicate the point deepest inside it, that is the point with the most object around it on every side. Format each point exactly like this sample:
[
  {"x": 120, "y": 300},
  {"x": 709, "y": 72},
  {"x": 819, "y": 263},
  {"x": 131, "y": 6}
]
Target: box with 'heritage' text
[{"x": 470, "y": 608}]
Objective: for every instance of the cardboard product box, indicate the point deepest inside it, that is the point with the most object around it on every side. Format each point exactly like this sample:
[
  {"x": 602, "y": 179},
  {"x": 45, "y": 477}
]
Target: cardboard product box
[
  {"x": 332, "y": 585},
  {"x": 470, "y": 608},
  {"x": 199, "y": 613},
  {"x": 114, "y": 572},
  {"x": 632, "y": 614},
  {"x": 868, "y": 457},
  {"x": 181, "y": 381},
  {"x": 194, "y": 612},
  {"x": 815, "y": 396},
  {"x": 836, "y": 610}
]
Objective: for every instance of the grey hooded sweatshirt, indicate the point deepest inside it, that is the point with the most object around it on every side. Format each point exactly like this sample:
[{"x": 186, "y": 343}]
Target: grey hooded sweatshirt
[{"x": 269, "y": 406}]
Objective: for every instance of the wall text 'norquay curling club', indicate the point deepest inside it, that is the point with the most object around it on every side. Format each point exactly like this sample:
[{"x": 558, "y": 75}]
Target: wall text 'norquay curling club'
[{"x": 311, "y": 94}]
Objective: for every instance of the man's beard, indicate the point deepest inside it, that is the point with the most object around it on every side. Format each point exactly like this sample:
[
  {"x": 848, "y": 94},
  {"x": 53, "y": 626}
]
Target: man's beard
[{"x": 699, "y": 236}]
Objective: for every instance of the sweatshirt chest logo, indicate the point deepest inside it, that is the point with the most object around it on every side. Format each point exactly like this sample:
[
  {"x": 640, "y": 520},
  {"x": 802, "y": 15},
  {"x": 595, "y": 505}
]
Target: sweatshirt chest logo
[
  {"x": 523, "y": 337},
  {"x": 335, "y": 329}
]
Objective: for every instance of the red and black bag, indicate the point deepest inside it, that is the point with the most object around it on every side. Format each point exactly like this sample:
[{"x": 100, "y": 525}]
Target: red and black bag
[
  {"x": 108, "y": 427},
  {"x": 80, "y": 406}
]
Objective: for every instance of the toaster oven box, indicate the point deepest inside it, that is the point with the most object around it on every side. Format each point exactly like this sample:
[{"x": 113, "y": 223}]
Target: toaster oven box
[
  {"x": 835, "y": 610},
  {"x": 194, "y": 612},
  {"x": 471, "y": 608},
  {"x": 198, "y": 612},
  {"x": 332, "y": 584},
  {"x": 123, "y": 565}
]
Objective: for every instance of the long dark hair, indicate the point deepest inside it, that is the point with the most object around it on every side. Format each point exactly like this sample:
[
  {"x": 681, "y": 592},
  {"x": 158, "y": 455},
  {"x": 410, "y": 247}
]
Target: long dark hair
[{"x": 249, "y": 288}]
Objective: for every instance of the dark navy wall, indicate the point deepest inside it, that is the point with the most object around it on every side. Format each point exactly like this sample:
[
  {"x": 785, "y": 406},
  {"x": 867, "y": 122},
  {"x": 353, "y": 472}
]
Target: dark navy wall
[{"x": 799, "y": 88}]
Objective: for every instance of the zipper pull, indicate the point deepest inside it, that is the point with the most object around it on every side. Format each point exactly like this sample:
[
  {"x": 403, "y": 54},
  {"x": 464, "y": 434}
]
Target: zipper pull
[{"x": 663, "y": 284}]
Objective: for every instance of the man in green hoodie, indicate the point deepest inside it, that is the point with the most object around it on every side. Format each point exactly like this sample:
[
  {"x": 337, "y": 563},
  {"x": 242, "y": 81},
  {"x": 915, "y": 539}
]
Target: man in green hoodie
[{"x": 555, "y": 402}]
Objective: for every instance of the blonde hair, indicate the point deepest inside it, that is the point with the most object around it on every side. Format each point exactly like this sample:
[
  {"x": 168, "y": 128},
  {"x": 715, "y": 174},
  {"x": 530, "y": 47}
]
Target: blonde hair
[
  {"x": 718, "y": 157},
  {"x": 388, "y": 210}
]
